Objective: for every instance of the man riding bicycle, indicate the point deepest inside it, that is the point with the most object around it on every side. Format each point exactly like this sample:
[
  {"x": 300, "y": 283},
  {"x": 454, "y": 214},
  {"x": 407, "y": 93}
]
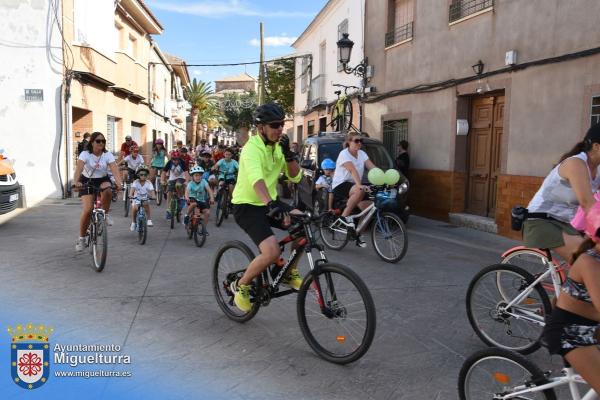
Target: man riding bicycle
[{"x": 256, "y": 208}]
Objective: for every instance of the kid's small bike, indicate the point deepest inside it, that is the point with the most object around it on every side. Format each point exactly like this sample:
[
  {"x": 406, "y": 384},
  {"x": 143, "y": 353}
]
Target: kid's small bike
[{"x": 196, "y": 229}]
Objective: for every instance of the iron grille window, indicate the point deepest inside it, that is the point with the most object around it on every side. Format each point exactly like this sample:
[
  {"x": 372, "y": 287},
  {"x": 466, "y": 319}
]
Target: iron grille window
[
  {"x": 595, "y": 110},
  {"x": 399, "y": 34},
  {"x": 342, "y": 28},
  {"x": 462, "y": 8},
  {"x": 393, "y": 132}
]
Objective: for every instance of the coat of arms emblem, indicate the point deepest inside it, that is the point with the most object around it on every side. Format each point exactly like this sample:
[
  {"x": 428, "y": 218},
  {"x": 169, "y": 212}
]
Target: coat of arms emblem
[{"x": 30, "y": 355}]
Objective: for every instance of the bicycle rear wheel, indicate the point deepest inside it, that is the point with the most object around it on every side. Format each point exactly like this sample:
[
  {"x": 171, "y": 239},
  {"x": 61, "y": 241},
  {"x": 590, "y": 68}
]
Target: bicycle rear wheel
[
  {"x": 199, "y": 236},
  {"x": 534, "y": 263},
  {"x": 389, "y": 237},
  {"x": 229, "y": 264},
  {"x": 126, "y": 200},
  {"x": 99, "y": 244},
  {"x": 333, "y": 236},
  {"x": 519, "y": 327},
  {"x": 347, "y": 116},
  {"x": 336, "y": 118},
  {"x": 492, "y": 373},
  {"x": 338, "y": 321},
  {"x": 142, "y": 229}
]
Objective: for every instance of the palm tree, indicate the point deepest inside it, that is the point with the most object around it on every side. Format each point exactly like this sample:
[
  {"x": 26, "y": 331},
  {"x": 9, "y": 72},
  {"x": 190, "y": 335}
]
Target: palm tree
[{"x": 199, "y": 95}]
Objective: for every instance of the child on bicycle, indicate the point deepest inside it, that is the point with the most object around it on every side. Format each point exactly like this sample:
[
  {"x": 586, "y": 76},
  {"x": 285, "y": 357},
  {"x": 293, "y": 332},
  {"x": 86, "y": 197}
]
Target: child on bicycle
[
  {"x": 227, "y": 169},
  {"x": 573, "y": 328},
  {"x": 141, "y": 189},
  {"x": 198, "y": 194},
  {"x": 324, "y": 181},
  {"x": 206, "y": 162},
  {"x": 133, "y": 161}
]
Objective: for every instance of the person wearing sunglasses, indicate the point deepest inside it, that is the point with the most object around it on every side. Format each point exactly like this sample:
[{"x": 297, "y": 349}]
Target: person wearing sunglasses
[
  {"x": 141, "y": 189},
  {"x": 255, "y": 205},
  {"x": 92, "y": 169},
  {"x": 347, "y": 180}
]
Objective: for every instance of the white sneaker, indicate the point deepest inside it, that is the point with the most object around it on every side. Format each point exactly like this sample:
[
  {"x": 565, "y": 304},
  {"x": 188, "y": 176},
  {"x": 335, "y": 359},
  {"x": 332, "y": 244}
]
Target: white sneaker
[
  {"x": 109, "y": 220},
  {"x": 149, "y": 223},
  {"x": 80, "y": 244},
  {"x": 132, "y": 227}
]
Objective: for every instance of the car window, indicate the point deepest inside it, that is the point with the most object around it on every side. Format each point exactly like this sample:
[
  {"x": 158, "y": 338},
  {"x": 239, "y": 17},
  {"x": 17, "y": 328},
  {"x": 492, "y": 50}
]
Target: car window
[
  {"x": 379, "y": 155},
  {"x": 376, "y": 152}
]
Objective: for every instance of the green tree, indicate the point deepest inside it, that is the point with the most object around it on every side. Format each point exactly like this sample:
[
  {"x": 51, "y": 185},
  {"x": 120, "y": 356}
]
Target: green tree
[
  {"x": 200, "y": 95},
  {"x": 238, "y": 108},
  {"x": 280, "y": 84}
]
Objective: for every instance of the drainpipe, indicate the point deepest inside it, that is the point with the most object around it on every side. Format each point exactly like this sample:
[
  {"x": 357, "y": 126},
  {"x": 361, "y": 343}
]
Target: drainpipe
[{"x": 69, "y": 135}]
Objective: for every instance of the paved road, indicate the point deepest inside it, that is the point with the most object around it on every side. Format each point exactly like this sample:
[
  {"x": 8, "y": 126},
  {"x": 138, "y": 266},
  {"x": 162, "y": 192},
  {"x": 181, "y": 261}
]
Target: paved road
[{"x": 156, "y": 300}]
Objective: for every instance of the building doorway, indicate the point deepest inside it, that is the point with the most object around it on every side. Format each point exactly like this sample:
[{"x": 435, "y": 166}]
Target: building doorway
[
  {"x": 322, "y": 124},
  {"x": 485, "y": 138}
]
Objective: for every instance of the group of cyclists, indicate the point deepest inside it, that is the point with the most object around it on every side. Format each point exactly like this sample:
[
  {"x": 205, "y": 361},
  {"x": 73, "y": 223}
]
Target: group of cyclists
[{"x": 573, "y": 327}]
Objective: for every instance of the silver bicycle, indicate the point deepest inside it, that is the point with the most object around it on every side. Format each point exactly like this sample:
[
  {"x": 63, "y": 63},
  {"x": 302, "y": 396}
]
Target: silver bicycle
[{"x": 498, "y": 374}]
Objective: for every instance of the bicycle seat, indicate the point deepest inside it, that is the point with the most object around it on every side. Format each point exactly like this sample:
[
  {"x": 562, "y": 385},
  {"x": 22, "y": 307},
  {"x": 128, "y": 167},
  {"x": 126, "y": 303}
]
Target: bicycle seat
[{"x": 338, "y": 92}]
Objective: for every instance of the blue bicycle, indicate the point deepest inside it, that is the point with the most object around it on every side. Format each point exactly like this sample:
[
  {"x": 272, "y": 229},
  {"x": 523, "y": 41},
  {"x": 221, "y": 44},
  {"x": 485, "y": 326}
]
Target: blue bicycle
[{"x": 141, "y": 220}]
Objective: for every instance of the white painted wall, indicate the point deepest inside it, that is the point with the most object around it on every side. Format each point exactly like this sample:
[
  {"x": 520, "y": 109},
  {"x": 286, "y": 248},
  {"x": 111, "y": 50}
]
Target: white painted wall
[
  {"x": 326, "y": 30},
  {"x": 30, "y": 132}
]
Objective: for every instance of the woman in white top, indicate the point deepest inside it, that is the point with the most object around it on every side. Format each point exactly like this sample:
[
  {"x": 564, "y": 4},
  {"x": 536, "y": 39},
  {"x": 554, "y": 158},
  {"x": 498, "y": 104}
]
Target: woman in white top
[
  {"x": 92, "y": 168},
  {"x": 347, "y": 179},
  {"x": 570, "y": 184}
]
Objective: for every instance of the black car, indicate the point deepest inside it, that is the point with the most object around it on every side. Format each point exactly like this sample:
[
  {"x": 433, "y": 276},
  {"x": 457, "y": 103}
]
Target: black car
[{"x": 316, "y": 148}]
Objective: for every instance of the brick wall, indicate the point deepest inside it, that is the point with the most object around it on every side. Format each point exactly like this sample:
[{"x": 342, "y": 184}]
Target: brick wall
[
  {"x": 513, "y": 190},
  {"x": 431, "y": 193}
]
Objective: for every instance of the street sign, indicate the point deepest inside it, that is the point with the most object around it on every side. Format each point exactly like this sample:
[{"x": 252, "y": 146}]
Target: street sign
[{"x": 34, "y": 94}]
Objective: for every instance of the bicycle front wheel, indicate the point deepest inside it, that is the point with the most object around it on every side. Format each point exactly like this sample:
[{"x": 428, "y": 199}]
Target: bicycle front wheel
[
  {"x": 99, "y": 244},
  {"x": 199, "y": 236},
  {"x": 126, "y": 201},
  {"x": 518, "y": 327},
  {"x": 173, "y": 209},
  {"x": 336, "y": 118},
  {"x": 334, "y": 236},
  {"x": 229, "y": 264},
  {"x": 142, "y": 230},
  {"x": 336, "y": 313},
  {"x": 347, "y": 116},
  {"x": 389, "y": 237},
  {"x": 221, "y": 205},
  {"x": 494, "y": 373},
  {"x": 159, "y": 191}
]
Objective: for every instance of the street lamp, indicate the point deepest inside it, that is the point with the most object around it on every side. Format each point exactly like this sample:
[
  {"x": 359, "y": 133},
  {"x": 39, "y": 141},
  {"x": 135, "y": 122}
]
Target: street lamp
[
  {"x": 344, "y": 52},
  {"x": 478, "y": 68}
]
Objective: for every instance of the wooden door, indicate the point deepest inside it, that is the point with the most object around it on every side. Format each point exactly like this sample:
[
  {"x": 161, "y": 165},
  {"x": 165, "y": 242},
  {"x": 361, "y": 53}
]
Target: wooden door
[{"x": 484, "y": 154}]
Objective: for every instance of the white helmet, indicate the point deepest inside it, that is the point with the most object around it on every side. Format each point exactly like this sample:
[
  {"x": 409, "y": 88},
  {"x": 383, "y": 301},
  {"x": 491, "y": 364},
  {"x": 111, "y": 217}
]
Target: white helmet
[{"x": 196, "y": 170}]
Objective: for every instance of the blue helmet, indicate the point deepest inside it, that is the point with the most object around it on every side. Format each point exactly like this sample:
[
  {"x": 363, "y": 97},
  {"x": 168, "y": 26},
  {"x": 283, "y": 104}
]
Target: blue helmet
[{"x": 328, "y": 163}]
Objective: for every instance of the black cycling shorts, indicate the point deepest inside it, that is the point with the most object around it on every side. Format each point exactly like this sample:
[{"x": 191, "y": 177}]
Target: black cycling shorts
[
  {"x": 95, "y": 182},
  {"x": 228, "y": 181},
  {"x": 254, "y": 221},
  {"x": 202, "y": 205},
  {"x": 342, "y": 191}
]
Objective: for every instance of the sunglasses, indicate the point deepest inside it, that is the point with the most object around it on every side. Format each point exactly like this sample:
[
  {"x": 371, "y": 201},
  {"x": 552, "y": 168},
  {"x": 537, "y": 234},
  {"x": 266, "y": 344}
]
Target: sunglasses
[
  {"x": 100, "y": 141},
  {"x": 276, "y": 125},
  {"x": 358, "y": 141},
  {"x": 142, "y": 175}
]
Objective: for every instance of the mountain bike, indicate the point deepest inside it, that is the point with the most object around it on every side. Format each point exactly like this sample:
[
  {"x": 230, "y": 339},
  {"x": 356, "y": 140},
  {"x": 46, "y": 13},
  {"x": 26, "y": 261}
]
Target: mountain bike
[
  {"x": 223, "y": 201},
  {"x": 500, "y": 374},
  {"x": 141, "y": 221},
  {"x": 174, "y": 206},
  {"x": 195, "y": 228},
  {"x": 388, "y": 232},
  {"x": 334, "y": 306},
  {"x": 126, "y": 186},
  {"x": 341, "y": 113},
  {"x": 507, "y": 306},
  {"x": 97, "y": 230}
]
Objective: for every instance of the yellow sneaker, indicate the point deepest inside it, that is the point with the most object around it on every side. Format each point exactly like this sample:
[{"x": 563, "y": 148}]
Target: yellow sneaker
[
  {"x": 292, "y": 279},
  {"x": 242, "y": 296}
]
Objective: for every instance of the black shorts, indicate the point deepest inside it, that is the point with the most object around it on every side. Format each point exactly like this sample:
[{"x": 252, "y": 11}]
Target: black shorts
[
  {"x": 202, "y": 205},
  {"x": 254, "y": 221},
  {"x": 228, "y": 181},
  {"x": 130, "y": 175},
  {"x": 341, "y": 192},
  {"x": 566, "y": 331},
  {"x": 95, "y": 182}
]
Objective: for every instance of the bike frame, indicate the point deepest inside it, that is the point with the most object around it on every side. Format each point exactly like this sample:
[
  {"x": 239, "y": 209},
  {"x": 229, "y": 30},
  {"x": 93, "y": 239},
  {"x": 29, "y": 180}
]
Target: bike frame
[
  {"x": 306, "y": 245},
  {"x": 141, "y": 212},
  {"x": 569, "y": 378}
]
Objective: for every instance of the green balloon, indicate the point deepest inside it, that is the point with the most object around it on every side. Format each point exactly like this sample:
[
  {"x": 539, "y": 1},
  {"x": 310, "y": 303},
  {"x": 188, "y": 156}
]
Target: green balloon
[
  {"x": 376, "y": 176},
  {"x": 392, "y": 177}
]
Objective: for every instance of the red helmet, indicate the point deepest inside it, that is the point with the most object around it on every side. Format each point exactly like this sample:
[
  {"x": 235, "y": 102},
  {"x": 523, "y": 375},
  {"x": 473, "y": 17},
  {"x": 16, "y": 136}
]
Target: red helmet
[{"x": 175, "y": 154}]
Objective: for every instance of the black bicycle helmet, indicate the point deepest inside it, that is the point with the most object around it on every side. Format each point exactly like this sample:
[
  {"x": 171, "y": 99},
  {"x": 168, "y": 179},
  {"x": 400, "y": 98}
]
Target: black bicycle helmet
[{"x": 269, "y": 112}]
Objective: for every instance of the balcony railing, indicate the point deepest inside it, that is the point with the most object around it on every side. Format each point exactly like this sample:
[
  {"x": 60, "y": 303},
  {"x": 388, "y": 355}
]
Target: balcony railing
[
  {"x": 316, "y": 96},
  {"x": 463, "y": 8},
  {"x": 399, "y": 34}
]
